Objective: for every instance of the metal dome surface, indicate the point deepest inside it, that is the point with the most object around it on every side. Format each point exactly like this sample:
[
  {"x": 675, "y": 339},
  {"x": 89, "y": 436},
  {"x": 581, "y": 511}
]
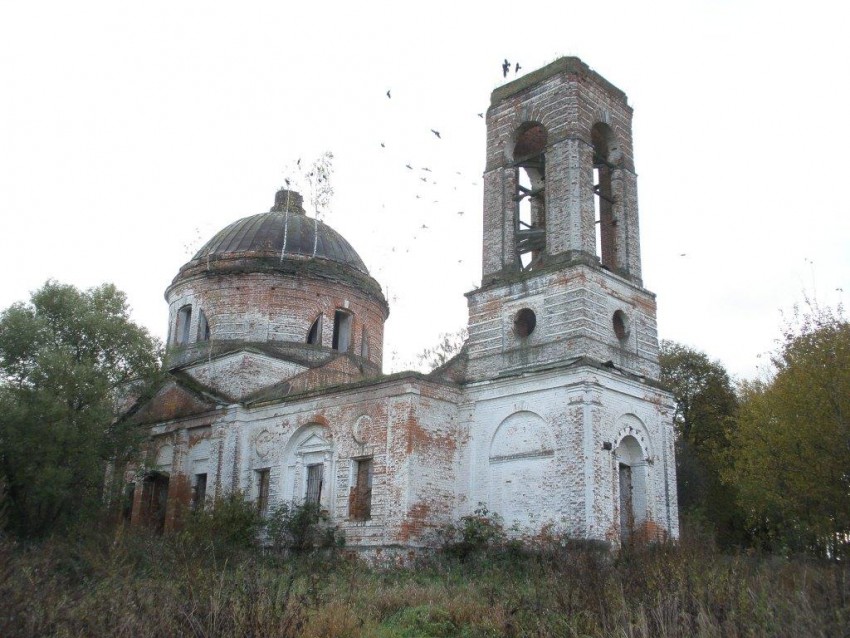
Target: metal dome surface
[{"x": 285, "y": 231}]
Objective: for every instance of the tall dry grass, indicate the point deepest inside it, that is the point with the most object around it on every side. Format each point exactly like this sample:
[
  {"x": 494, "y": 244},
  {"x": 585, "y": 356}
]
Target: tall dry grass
[{"x": 130, "y": 584}]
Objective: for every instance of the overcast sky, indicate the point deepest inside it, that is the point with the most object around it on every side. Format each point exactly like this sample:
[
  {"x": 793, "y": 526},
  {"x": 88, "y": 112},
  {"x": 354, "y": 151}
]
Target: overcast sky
[{"x": 130, "y": 132}]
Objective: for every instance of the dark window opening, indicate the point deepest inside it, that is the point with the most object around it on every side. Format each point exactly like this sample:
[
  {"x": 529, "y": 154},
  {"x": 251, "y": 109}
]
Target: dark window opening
[
  {"x": 529, "y": 160},
  {"x": 315, "y": 478},
  {"x": 315, "y": 335},
  {"x": 263, "y": 482},
  {"x": 360, "y": 498},
  {"x": 525, "y": 322},
  {"x": 604, "y": 151},
  {"x": 127, "y": 502},
  {"x": 199, "y": 492},
  {"x": 342, "y": 331},
  {"x": 621, "y": 325},
  {"x": 203, "y": 327},
  {"x": 184, "y": 320}
]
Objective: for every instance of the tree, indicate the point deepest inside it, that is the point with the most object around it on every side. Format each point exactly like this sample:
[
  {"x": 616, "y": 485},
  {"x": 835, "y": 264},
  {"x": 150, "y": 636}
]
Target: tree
[
  {"x": 706, "y": 406},
  {"x": 64, "y": 358},
  {"x": 792, "y": 446}
]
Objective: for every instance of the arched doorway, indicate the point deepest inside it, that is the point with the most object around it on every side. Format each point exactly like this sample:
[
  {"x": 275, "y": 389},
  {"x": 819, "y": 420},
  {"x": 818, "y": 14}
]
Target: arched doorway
[{"x": 631, "y": 474}]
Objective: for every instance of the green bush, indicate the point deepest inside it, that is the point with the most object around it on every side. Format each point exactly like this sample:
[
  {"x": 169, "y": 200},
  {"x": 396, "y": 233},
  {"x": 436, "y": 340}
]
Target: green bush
[
  {"x": 299, "y": 528},
  {"x": 475, "y": 533},
  {"x": 230, "y": 521}
]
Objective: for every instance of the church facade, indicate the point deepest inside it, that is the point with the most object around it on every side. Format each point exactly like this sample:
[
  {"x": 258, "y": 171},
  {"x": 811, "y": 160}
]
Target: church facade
[{"x": 551, "y": 415}]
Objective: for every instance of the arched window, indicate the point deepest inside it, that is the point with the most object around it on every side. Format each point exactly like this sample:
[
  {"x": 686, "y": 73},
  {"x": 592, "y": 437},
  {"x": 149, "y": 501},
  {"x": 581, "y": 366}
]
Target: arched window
[
  {"x": 314, "y": 336},
  {"x": 529, "y": 161},
  {"x": 604, "y": 152},
  {"x": 203, "y": 327},
  {"x": 184, "y": 320},
  {"x": 342, "y": 331}
]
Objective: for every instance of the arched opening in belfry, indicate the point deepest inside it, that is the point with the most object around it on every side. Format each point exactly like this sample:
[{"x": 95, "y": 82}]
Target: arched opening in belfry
[
  {"x": 631, "y": 475},
  {"x": 529, "y": 162},
  {"x": 604, "y": 154}
]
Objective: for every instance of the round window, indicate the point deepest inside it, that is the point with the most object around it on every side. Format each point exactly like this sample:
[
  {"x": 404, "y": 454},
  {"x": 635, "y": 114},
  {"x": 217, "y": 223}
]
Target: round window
[
  {"x": 524, "y": 322},
  {"x": 621, "y": 325}
]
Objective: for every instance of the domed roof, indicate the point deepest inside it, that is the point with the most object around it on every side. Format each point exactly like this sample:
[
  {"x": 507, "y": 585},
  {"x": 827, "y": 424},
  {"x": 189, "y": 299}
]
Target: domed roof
[{"x": 283, "y": 231}]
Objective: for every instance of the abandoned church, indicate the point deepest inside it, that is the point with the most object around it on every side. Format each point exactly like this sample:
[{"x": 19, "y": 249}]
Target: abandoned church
[{"x": 551, "y": 415}]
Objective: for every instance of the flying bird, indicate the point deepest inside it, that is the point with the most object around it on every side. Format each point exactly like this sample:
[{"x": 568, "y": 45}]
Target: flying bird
[
  {"x": 423, "y": 227},
  {"x": 424, "y": 179},
  {"x": 388, "y": 94},
  {"x": 383, "y": 145},
  {"x": 460, "y": 212},
  {"x": 506, "y": 66},
  {"x": 426, "y": 169},
  {"x": 481, "y": 115},
  {"x": 409, "y": 166},
  {"x": 437, "y": 133},
  {"x": 518, "y": 67}
]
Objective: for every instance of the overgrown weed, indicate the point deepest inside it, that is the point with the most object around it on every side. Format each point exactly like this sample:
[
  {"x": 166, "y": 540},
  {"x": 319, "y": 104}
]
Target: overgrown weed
[{"x": 129, "y": 583}]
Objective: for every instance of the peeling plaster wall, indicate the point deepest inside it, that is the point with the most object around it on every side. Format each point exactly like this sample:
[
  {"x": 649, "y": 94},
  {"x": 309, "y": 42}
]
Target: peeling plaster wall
[
  {"x": 529, "y": 448},
  {"x": 574, "y": 309},
  {"x": 408, "y": 429},
  {"x": 566, "y": 472},
  {"x": 243, "y": 373}
]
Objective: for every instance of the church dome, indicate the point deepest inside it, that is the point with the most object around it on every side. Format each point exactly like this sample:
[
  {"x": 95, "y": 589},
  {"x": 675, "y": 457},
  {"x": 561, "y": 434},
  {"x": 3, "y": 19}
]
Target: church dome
[
  {"x": 283, "y": 232},
  {"x": 278, "y": 279}
]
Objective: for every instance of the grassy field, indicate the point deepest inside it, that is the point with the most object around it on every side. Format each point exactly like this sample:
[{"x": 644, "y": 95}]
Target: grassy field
[{"x": 130, "y": 584}]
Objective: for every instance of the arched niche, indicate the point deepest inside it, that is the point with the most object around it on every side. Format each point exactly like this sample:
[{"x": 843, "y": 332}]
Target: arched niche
[{"x": 523, "y": 486}]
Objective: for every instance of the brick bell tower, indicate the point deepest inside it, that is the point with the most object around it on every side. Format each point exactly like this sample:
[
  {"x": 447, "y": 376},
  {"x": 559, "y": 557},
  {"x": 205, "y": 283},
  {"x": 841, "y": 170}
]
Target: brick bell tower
[
  {"x": 568, "y": 424},
  {"x": 561, "y": 260}
]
